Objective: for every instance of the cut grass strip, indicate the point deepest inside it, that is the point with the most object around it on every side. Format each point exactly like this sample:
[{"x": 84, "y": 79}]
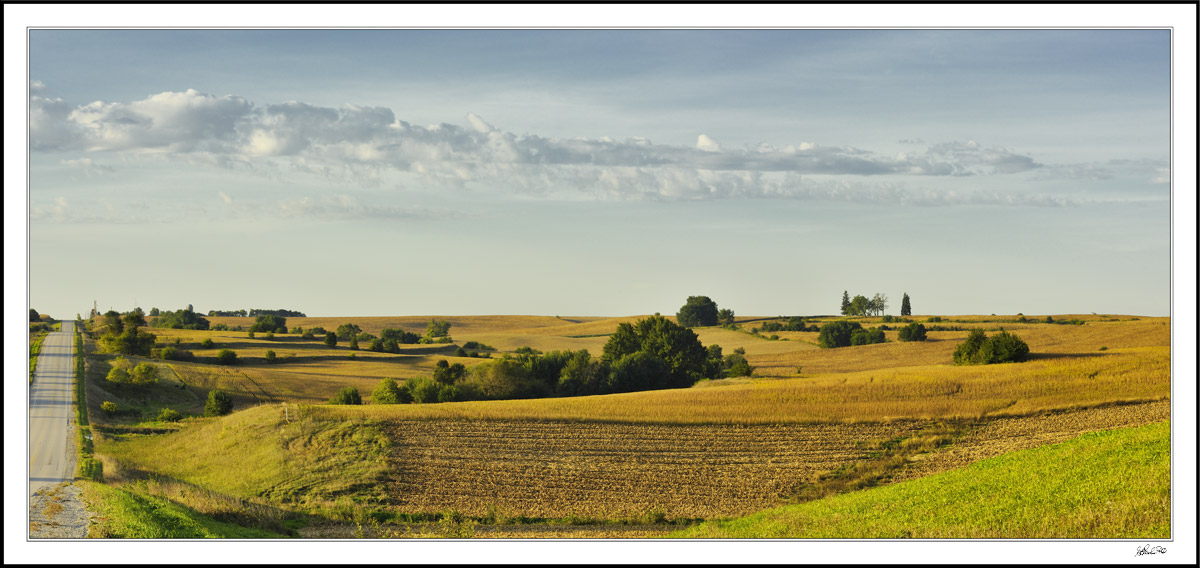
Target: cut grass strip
[{"x": 1112, "y": 484}]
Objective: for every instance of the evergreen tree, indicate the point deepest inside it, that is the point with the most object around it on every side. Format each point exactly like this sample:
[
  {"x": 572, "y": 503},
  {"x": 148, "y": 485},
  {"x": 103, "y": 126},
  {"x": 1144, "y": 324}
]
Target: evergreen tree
[
  {"x": 905, "y": 306},
  {"x": 845, "y": 302}
]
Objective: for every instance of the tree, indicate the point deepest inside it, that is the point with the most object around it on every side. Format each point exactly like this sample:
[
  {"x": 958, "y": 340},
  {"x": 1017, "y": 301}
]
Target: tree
[
  {"x": 905, "y": 306},
  {"x": 859, "y": 306},
  {"x": 354, "y": 343},
  {"x": 437, "y": 328},
  {"x": 837, "y": 333},
  {"x": 879, "y": 304},
  {"x": 270, "y": 356},
  {"x": 725, "y": 316},
  {"x": 912, "y": 332},
  {"x": 33, "y": 316},
  {"x": 348, "y": 395},
  {"x": 965, "y": 353},
  {"x": 135, "y": 318},
  {"x": 388, "y": 392},
  {"x": 219, "y": 403},
  {"x": 269, "y": 322},
  {"x": 699, "y": 311},
  {"x": 583, "y": 375},
  {"x": 331, "y": 339},
  {"x": 153, "y": 312},
  {"x": 132, "y": 341},
  {"x": 348, "y": 330},
  {"x": 112, "y": 322},
  {"x": 678, "y": 347},
  {"x": 144, "y": 374},
  {"x": 448, "y": 374},
  {"x": 867, "y": 336},
  {"x": 181, "y": 319},
  {"x": 226, "y": 357},
  {"x": 845, "y": 303},
  {"x": 737, "y": 366}
]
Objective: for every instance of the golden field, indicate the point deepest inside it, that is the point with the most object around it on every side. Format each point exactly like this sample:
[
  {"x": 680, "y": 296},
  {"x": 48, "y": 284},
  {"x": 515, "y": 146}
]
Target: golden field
[{"x": 625, "y": 464}]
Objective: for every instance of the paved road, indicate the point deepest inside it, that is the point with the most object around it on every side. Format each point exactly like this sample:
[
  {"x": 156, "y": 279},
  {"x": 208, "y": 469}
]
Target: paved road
[{"x": 51, "y": 414}]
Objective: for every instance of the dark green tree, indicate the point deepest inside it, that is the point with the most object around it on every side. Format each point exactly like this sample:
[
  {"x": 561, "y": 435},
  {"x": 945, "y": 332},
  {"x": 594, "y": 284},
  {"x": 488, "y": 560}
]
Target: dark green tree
[
  {"x": 837, "y": 333},
  {"x": 33, "y": 316},
  {"x": 270, "y": 356},
  {"x": 448, "y": 374},
  {"x": 437, "y": 328},
  {"x": 725, "y": 316},
  {"x": 354, "y": 343},
  {"x": 269, "y": 322},
  {"x": 912, "y": 332},
  {"x": 226, "y": 357},
  {"x": 699, "y": 311},
  {"x": 331, "y": 339},
  {"x": 153, "y": 312},
  {"x": 905, "y": 306},
  {"x": 112, "y": 323},
  {"x": 845, "y": 302},
  {"x": 583, "y": 375},
  {"x": 135, "y": 318},
  {"x": 678, "y": 347},
  {"x": 219, "y": 403},
  {"x": 348, "y": 330},
  {"x": 387, "y": 392}
]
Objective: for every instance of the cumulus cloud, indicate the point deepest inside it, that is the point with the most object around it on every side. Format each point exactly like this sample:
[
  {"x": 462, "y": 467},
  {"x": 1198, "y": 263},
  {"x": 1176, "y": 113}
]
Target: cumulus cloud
[{"x": 360, "y": 143}]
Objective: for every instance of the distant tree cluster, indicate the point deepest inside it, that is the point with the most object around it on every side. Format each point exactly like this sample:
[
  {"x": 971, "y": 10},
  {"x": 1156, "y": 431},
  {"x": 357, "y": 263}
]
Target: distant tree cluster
[
  {"x": 270, "y": 323},
  {"x": 792, "y": 324},
  {"x": 122, "y": 334},
  {"x": 437, "y": 328},
  {"x": 846, "y": 333},
  {"x": 254, "y": 312},
  {"x": 227, "y": 313},
  {"x": 653, "y": 353},
  {"x": 124, "y": 372},
  {"x": 912, "y": 332},
  {"x": 180, "y": 319},
  {"x": 979, "y": 349},
  {"x": 863, "y": 306}
]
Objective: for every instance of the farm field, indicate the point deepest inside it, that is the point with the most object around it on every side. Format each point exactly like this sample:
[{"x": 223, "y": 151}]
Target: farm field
[{"x": 629, "y": 465}]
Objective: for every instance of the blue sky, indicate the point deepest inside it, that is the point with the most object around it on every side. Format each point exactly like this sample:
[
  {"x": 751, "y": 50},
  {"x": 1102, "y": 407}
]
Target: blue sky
[{"x": 601, "y": 172}]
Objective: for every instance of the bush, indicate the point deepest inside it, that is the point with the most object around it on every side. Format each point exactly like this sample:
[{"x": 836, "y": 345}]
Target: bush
[
  {"x": 220, "y": 327},
  {"x": 423, "y": 389},
  {"x": 837, "y": 334},
  {"x": 118, "y": 375},
  {"x": 171, "y": 353},
  {"x": 219, "y": 403},
  {"x": 270, "y": 356},
  {"x": 169, "y": 415},
  {"x": 144, "y": 374},
  {"x": 912, "y": 332},
  {"x": 478, "y": 346},
  {"x": 207, "y": 343},
  {"x": 109, "y": 407},
  {"x": 307, "y": 335},
  {"x": 388, "y": 392},
  {"x": 348, "y": 395},
  {"x": 737, "y": 366},
  {"x": 331, "y": 339},
  {"x": 979, "y": 349},
  {"x": 867, "y": 337},
  {"x": 226, "y": 357},
  {"x": 935, "y": 319}
]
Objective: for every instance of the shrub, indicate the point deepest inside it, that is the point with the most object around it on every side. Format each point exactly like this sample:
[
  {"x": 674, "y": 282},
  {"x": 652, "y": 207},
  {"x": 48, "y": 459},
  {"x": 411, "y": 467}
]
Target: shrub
[
  {"x": 1104, "y": 348},
  {"x": 270, "y": 336},
  {"x": 387, "y": 392},
  {"x": 460, "y": 352},
  {"x": 934, "y": 319},
  {"x": 118, "y": 375},
  {"x": 737, "y": 366},
  {"x": 979, "y": 349},
  {"x": 226, "y": 357},
  {"x": 331, "y": 339},
  {"x": 219, "y": 403},
  {"x": 307, "y": 335},
  {"x": 348, "y": 395},
  {"x": 270, "y": 356},
  {"x": 912, "y": 332},
  {"x": 144, "y": 374},
  {"x": 220, "y": 327},
  {"x": 478, "y": 346},
  {"x": 207, "y": 343},
  {"x": 109, "y": 407},
  {"x": 867, "y": 337},
  {"x": 250, "y": 334},
  {"x": 169, "y": 415},
  {"x": 837, "y": 334}
]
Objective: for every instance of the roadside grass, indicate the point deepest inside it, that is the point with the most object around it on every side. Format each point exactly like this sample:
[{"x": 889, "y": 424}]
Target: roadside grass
[
  {"x": 35, "y": 348},
  {"x": 257, "y": 454},
  {"x": 122, "y": 513},
  {"x": 1111, "y": 484}
]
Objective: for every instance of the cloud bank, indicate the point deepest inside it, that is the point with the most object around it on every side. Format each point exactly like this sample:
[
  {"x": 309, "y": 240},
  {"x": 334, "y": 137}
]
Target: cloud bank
[{"x": 363, "y": 142}]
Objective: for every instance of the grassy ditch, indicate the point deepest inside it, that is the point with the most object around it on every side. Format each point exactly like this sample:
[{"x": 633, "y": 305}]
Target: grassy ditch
[
  {"x": 129, "y": 513},
  {"x": 1110, "y": 484},
  {"x": 35, "y": 347},
  {"x": 86, "y": 464}
]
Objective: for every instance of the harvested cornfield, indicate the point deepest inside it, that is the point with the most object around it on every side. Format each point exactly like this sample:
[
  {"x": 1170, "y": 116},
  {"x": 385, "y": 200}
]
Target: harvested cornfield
[{"x": 611, "y": 470}]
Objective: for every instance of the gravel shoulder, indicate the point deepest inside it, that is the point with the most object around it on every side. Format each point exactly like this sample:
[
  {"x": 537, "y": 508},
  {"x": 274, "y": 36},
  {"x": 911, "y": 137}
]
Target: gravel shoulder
[{"x": 57, "y": 512}]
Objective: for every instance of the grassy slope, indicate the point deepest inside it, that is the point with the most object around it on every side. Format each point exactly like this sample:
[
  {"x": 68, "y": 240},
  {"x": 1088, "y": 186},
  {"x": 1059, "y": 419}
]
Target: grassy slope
[
  {"x": 1113, "y": 484},
  {"x": 126, "y": 514}
]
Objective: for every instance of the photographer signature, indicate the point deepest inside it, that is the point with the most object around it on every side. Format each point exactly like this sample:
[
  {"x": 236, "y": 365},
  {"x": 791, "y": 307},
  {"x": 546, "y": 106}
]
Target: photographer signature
[{"x": 1144, "y": 550}]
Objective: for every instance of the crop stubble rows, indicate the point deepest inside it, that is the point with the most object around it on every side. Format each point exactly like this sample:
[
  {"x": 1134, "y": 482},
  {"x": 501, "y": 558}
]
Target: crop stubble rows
[{"x": 611, "y": 470}]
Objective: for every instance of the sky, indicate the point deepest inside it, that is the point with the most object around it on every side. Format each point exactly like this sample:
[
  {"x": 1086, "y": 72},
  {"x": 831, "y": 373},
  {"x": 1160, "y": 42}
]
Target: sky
[{"x": 600, "y": 172}]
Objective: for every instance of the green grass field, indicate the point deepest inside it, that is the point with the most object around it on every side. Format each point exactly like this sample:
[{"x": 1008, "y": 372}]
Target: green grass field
[{"x": 1113, "y": 484}]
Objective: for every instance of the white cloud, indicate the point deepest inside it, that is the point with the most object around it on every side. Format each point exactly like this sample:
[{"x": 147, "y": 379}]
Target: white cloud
[{"x": 360, "y": 143}]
